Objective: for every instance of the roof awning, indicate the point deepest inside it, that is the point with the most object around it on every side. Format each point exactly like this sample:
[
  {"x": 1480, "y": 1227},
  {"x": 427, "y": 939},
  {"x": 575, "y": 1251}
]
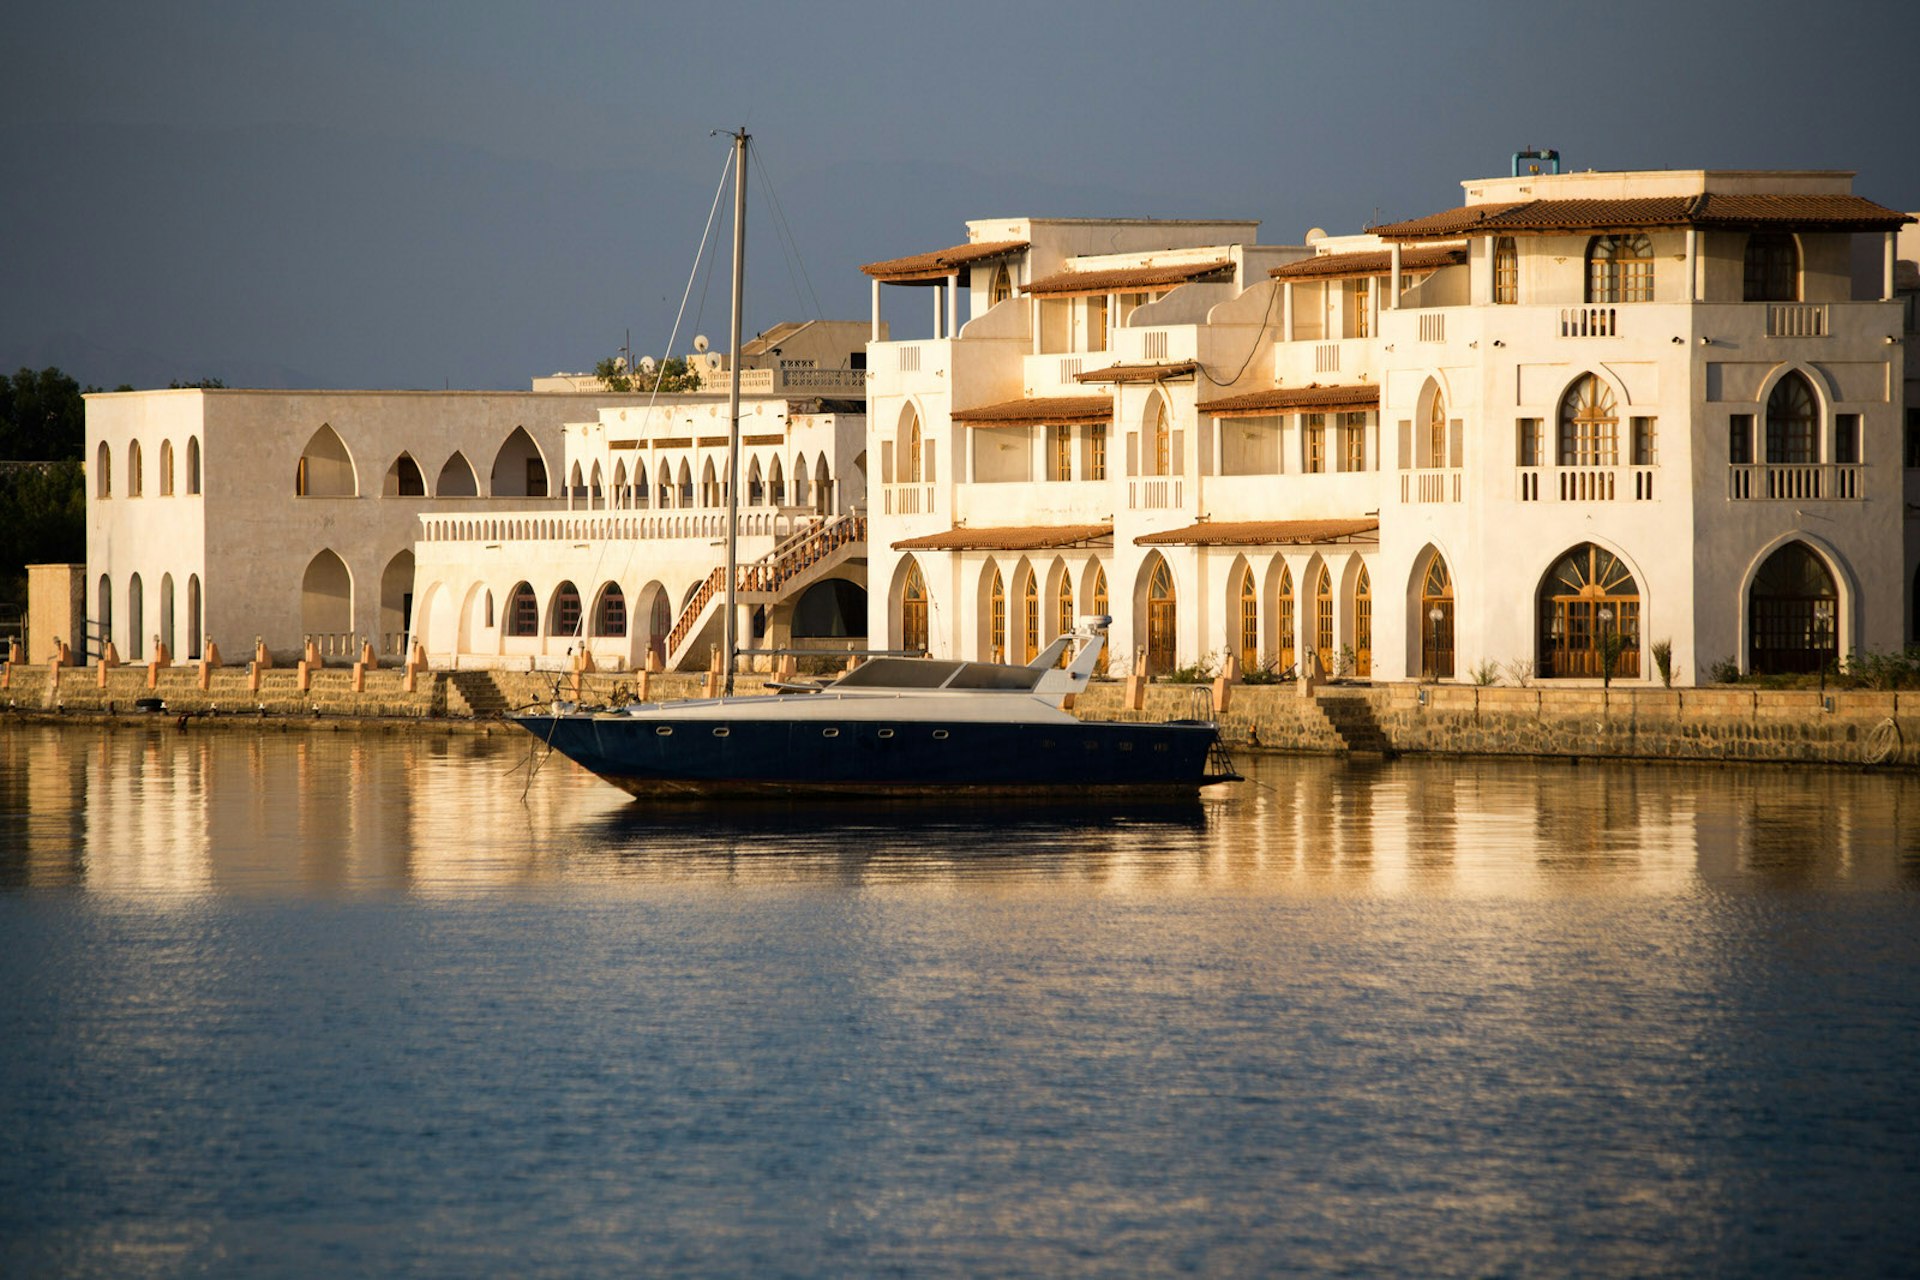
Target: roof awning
[
  {"x": 1311, "y": 399},
  {"x": 1017, "y": 538},
  {"x": 935, "y": 267},
  {"x": 1039, "y": 409},
  {"x": 1265, "y": 533},
  {"x": 1648, "y": 213},
  {"x": 1077, "y": 284},
  {"x": 1371, "y": 262},
  {"x": 1140, "y": 372}
]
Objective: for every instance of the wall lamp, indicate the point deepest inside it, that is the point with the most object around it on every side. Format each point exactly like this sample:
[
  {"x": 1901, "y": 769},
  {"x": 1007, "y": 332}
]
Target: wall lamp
[
  {"x": 1705, "y": 341},
  {"x": 1499, "y": 342},
  {"x": 1892, "y": 341},
  {"x": 1678, "y": 340}
]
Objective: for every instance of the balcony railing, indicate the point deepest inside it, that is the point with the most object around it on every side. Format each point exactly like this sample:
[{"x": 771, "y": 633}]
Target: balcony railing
[
  {"x": 1794, "y": 482},
  {"x": 1430, "y": 485},
  {"x": 1584, "y": 484},
  {"x": 1155, "y": 493},
  {"x": 1589, "y": 322},
  {"x": 1797, "y": 320},
  {"x": 582, "y": 527},
  {"x": 913, "y": 498}
]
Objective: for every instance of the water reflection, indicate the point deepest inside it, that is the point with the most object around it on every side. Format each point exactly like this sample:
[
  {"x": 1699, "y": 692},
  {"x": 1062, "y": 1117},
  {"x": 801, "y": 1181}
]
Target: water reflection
[{"x": 131, "y": 810}]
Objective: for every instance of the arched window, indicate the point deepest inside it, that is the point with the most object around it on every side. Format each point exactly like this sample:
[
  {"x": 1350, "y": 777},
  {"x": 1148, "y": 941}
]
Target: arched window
[
  {"x": 1029, "y": 617},
  {"x": 800, "y": 480},
  {"x": 457, "y": 479},
  {"x": 686, "y": 484},
  {"x": 519, "y": 470},
  {"x": 565, "y": 617},
  {"x": 325, "y": 469},
  {"x": 910, "y": 446},
  {"x": 166, "y": 614},
  {"x": 1792, "y": 614},
  {"x": 1248, "y": 613},
  {"x": 404, "y": 479},
  {"x": 1587, "y": 597},
  {"x": 193, "y": 465},
  {"x": 776, "y": 484},
  {"x": 523, "y": 612},
  {"x": 913, "y": 609},
  {"x": 1589, "y": 425},
  {"x": 1437, "y": 430},
  {"x": 756, "y": 487},
  {"x": 596, "y": 487},
  {"x": 610, "y": 612},
  {"x": 1162, "y": 619},
  {"x": 326, "y": 599},
  {"x": 193, "y": 615},
  {"x": 1162, "y": 434},
  {"x": 996, "y": 619},
  {"x": 1506, "y": 271},
  {"x": 1002, "y": 288},
  {"x": 1436, "y": 621},
  {"x": 166, "y": 468},
  {"x": 133, "y": 469},
  {"x": 1772, "y": 268},
  {"x": 103, "y": 472},
  {"x": 1323, "y": 619},
  {"x": 822, "y": 486},
  {"x": 1100, "y": 608},
  {"x": 106, "y": 611},
  {"x": 1363, "y": 623},
  {"x": 1620, "y": 269},
  {"x": 1283, "y": 620},
  {"x": 642, "y": 490},
  {"x": 1793, "y": 419}
]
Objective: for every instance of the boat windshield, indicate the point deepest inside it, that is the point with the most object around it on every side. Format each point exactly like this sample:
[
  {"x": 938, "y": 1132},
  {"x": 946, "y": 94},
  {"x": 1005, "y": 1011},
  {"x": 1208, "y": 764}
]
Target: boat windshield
[{"x": 923, "y": 673}]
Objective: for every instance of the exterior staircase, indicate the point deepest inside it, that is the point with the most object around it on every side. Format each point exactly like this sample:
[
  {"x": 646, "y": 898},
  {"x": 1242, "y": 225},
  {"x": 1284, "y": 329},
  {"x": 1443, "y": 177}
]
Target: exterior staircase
[
  {"x": 795, "y": 564},
  {"x": 1350, "y": 713},
  {"x": 476, "y": 695}
]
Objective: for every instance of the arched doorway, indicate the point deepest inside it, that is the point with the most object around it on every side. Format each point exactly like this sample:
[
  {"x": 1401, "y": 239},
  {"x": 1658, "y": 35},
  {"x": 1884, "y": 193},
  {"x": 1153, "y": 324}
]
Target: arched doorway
[
  {"x": 1793, "y": 612},
  {"x": 193, "y": 615},
  {"x": 166, "y": 614},
  {"x": 1793, "y": 422},
  {"x": 106, "y": 612},
  {"x": 913, "y": 609},
  {"x": 1436, "y": 621},
  {"x": 1029, "y": 615},
  {"x": 136, "y": 618},
  {"x": 1101, "y": 607},
  {"x": 1363, "y": 623},
  {"x": 1284, "y": 626},
  {"x": 1587, "y": 597},
  {"x": 993, "y": 642},
  {"x": 325, "y": 469},
  {"x": 610, "y": 613},
  {"x": 1162, "y": 617},
  {"x": 1247, "y": 600},
  {"x": 519, "y": 468},
  {"x": 326, "y": 601},
  {"x": 1063, "y": 609},
  {"x": 457, "y": 479},
  {"x": 396, "y": 604},
  {"x": 1323, "y": 619}
]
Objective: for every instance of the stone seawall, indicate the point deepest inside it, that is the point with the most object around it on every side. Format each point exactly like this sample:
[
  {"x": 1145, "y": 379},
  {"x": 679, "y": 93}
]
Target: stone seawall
[{"x": 1720, "y": 723}]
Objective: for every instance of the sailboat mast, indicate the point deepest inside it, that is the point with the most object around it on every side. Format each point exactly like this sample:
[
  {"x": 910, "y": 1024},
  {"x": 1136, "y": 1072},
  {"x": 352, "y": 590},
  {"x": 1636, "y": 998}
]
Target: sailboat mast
[{"x": 731, "y": 635}]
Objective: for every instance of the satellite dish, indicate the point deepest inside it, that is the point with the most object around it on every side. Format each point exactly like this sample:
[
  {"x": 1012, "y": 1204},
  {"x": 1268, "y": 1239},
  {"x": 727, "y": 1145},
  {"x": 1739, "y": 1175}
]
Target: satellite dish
[
  {"x": 620, "y": 364},
  {"x": 713, "y": 361},
  {"x": 647, "y": 365},
  {"x": 700, "y": 342}
]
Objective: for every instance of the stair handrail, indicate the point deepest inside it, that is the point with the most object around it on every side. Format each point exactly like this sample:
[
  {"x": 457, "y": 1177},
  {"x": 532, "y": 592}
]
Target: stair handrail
[{"x": 772, "y": 570}]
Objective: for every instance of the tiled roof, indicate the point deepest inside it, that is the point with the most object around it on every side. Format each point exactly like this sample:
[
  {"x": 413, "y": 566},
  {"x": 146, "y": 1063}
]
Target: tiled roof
[
  {"x": 941, "y": 263},
  {"x": 1262, "y": 533},
  {"x": 1371, "y": 262},
  {"x": 1139, "y": 372},
  {"x": 1021, "y": 538},
  {"x": 1807, "y": 212},
  {"x": 1293, "y": 399},
  {"x": 1067, "y": 284},
  {"x": 1015, "y": 413}
]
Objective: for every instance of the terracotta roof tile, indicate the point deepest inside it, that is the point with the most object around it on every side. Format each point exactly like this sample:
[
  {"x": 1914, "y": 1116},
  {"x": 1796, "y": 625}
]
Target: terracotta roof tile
[
  {"x": 1810, "y": 212},
  {"x": 1371, "y": 262},
  {"x": 1263, "y": 533},
  {"x": 1294, "y": 399},
  {"x": 1120, "y": 279},
  {"x": 1022, "y": 538},
  {"x": 1014, "y": 413},
  {"x": 1139, "y": 372},
  {"x": 941, "y": 263}
]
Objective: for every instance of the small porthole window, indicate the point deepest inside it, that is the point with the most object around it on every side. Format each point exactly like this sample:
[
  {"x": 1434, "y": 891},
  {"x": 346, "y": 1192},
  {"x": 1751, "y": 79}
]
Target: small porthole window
[
  {"x": 886, "y": 733},
  {"x": 939, "y": 735},
  {"x": 721, "y": 733},
  {"x": 664, "y": 731},
  {"x": 829, "y": 733},
  {"x": 1126, "y": 746}
]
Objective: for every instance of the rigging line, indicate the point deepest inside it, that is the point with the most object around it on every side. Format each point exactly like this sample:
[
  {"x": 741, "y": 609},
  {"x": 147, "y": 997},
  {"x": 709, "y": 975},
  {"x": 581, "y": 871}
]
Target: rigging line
[
  {"x": 787, "y": 240},
  {"x": 1265, "y": 321}
]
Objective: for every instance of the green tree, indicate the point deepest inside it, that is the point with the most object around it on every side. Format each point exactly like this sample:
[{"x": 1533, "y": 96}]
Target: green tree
[
  {"x": 672, "y": 375},
  {"x": 42, "y": 417},
  {"x": 43, "y": 520}
]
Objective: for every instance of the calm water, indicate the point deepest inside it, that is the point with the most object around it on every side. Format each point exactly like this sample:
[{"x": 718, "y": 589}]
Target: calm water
[{"x": 317, "y": 1004}]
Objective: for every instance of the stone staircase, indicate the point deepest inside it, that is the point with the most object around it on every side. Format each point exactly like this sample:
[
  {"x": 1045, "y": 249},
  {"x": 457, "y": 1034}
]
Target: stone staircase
[
  {"x": 795, "y": 564},
  {"x": 476, "y": 695},
  {"x": 1350, "y": 713}
]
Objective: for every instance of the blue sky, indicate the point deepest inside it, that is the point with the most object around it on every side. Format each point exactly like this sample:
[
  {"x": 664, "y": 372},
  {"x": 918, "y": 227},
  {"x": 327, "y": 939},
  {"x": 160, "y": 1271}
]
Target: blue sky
[{"x": 422, "y": 195}]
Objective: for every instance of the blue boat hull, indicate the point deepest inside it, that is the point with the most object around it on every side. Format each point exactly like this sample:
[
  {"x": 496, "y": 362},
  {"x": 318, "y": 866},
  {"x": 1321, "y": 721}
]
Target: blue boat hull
[{"x": 704, "y": 757}]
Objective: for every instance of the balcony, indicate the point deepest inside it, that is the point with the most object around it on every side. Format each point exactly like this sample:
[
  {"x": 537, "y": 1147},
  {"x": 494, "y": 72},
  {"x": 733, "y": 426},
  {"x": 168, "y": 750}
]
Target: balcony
[
  {"x": 914, "y": 498},
  {"x": 1794, "y": 482},
  {"x": 1584, "y": 484},
  {"x": 1156, "y": 493},
  {"x": 1431, "y": 484},
  {"x": 1589, "y": 322},
  {"x": 1797, "y": 320}
]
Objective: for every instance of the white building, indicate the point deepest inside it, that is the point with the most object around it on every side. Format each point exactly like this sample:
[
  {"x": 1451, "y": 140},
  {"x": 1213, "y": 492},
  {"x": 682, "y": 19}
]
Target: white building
[{"x": 1597, "y": 410}]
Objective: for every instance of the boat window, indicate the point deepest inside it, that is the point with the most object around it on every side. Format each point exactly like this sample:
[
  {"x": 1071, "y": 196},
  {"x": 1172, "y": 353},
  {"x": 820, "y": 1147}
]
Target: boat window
[
  {"x": 939, "y": 735},
  {"x": 721, "y": 733},
  {"x": 886, "y": 733},
  {"x": 987, "y": 675},
  {"x": 898, "y": 673},
  {"x": 665, "y": 731}
]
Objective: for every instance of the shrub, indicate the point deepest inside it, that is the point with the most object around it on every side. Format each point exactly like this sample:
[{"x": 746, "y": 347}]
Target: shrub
[
  {"x": 1663, "y": 660},
  {"x": 1267, "y": 672},
  {"x": 1520, "y": 671},
  {"x": 1201, "y": 672},
  {"x": 1723, "y": 671},
  {"x": 1487, "y": 673}
]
